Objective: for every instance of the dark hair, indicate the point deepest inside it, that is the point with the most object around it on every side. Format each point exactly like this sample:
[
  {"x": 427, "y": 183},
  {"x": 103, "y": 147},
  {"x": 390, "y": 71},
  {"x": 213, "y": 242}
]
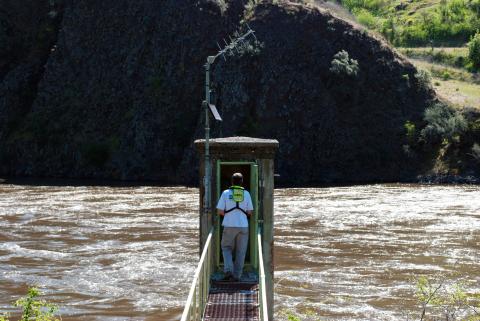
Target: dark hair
[{"x": 237, "y": 179}]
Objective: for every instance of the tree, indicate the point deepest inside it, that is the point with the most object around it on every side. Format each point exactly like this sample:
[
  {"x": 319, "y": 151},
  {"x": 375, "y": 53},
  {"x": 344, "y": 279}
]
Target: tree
[
  {"x": 34, "y": 309},
  {"x": 474, "y": 51},
  {"x": 343, "y": 65}
]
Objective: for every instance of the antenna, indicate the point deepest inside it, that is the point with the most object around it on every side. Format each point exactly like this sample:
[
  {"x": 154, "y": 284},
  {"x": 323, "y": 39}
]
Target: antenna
[
  {"x": 221, "y": 49},
  {"x": 238, "y": 41}
]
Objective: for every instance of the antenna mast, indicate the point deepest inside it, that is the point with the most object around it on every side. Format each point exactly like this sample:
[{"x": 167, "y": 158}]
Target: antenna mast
[{"x": 238, "y": 41}]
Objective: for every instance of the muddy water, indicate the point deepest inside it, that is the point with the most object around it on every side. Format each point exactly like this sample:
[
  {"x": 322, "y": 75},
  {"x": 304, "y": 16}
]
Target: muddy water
[{"x": 128, "y": 253}]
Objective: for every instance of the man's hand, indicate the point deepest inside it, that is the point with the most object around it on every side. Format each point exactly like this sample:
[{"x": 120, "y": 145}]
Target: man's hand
[
  {"x": 249, "y": 213},
  {"x": 220, "y": 212}
]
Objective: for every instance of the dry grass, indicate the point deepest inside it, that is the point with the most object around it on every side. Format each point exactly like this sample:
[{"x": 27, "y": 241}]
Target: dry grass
[
  {"x": 461, "y": 89},
  {"x": 461, "y": 51},
  {"x": 460, "y": 93}
]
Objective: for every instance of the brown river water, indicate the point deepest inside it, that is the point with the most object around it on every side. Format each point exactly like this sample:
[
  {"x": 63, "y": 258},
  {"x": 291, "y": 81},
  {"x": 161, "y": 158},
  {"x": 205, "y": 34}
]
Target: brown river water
[{"x": 128, "y": 253}]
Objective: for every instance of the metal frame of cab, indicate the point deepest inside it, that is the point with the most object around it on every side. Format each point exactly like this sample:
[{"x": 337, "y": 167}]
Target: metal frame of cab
[{"x": 252, "y": 261}]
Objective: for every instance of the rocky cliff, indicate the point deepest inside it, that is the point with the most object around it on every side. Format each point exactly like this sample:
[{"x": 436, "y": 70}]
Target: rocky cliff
[{"x": 95, "y": 89}]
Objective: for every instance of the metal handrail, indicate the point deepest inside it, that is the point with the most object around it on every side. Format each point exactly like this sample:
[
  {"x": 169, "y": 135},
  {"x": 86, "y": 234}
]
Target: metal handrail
[
  {"x": 198, "y": 295},
  {"x": 262, "y": 295}
]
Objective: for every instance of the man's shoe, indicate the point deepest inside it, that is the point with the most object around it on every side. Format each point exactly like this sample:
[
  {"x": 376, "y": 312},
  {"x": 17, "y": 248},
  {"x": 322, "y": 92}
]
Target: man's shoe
[{"x": 228, "y": 277}]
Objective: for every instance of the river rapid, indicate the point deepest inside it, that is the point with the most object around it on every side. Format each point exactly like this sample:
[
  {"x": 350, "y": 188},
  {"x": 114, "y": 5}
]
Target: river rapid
[{"x": 128, "y": 253}]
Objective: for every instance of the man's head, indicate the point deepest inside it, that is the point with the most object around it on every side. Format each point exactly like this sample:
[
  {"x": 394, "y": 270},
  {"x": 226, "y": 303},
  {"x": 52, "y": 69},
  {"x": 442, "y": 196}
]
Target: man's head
[{"x": 237, "y": 179}]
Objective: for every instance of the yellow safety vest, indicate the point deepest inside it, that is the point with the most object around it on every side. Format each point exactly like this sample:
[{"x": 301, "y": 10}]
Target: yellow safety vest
[{"x": 237, "y": 197}]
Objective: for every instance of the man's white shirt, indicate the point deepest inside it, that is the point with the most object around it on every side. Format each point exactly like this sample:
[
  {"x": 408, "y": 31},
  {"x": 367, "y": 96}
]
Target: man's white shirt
[{"x": 235, "y": 218}]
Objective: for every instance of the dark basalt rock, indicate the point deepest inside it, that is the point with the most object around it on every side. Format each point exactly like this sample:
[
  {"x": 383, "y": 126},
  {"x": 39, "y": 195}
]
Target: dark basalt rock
[
  {"x": 115, "y": 91},
  {"x": 448, "y": 179}
]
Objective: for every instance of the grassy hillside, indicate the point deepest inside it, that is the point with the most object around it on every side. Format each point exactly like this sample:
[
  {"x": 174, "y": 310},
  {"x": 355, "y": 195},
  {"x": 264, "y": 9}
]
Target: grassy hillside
[
  {"x": 453, "y": 84},
  {"x": 450, "y": 78},
  {"x": 419, "y": 22}
]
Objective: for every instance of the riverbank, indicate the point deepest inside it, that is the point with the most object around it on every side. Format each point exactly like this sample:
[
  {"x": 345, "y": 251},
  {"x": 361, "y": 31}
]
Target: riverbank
[{"x": 430, "y": 179}]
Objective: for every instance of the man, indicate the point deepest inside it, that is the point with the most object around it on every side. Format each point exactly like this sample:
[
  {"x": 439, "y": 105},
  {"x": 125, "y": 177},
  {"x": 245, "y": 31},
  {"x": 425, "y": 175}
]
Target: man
[{"x": 235, "y": 205}]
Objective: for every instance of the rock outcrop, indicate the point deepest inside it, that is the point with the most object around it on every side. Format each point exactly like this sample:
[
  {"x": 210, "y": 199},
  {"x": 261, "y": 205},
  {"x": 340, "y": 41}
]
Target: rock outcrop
[{"x": 114, "y": 90}]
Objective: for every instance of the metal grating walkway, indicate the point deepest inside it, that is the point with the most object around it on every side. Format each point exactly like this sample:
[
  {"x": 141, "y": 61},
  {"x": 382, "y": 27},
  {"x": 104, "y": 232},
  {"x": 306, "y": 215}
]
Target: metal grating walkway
[{"x": 232, "y": 301}]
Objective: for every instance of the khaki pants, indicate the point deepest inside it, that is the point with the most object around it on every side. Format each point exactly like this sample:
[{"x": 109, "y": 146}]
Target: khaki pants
[{"x": 234, "y": 239}]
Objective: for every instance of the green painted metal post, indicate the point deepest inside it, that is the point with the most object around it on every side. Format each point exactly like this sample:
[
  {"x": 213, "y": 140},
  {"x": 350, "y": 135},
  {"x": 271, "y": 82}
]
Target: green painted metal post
[
  {"x": 208, "y": 167},
  {"x": 253, "y": 229},
  {"x": 267, "y": 186}
]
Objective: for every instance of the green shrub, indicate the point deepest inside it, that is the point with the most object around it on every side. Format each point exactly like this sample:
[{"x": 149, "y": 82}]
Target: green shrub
[
  {"x": 34, "y": 309},
  {"x": 474, "y": 5},
  {"x": 374, "y": 6},
  {"x": 449, "y": 22},
  {"x": 446, "y": 75},
  {"x": 388, "y": 29},
  {"x": 410, "y": 130},
  {"x": 292, "y": 317},
  {"x": 474, "y": 51},
  {"x": 412, "y": 35},
  {"x": 459, "y": 61},
  {"x": 456, "y": 58},
  {"x": 440, "y": 56},
  {"x": 443, "y": 123},
  {"x": 475, "y": 126},
  {"x": 342, "y": 65},
  {"x": 476, "y": 152},
  {"x": 445, "y": 300},
  {"x": 366, "y": 18},
  {"x": 423, "y": 78}
]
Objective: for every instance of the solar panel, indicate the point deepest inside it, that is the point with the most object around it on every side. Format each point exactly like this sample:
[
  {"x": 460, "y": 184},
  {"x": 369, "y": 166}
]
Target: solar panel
[{"x": 214, "y": 111}]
